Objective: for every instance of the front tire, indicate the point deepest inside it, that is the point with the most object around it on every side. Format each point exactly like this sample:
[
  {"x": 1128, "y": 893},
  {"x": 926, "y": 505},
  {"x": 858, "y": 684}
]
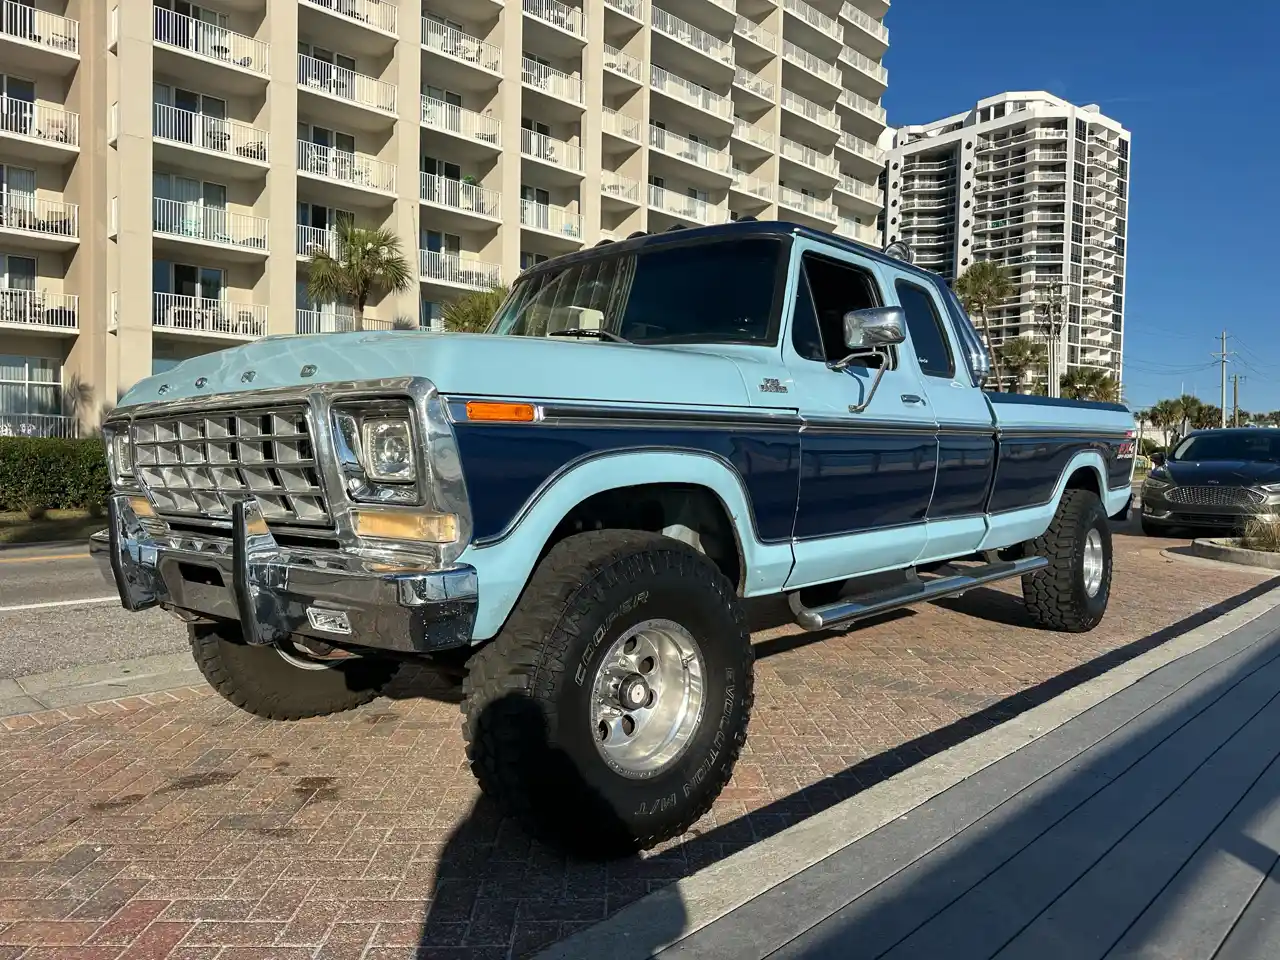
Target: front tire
[
  {"x": 608, "y": 714},
  {"x": 1071, "y": 593}
]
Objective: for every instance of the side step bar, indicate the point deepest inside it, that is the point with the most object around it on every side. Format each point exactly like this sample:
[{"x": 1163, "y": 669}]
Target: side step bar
[{"x": 858, "y": 608}]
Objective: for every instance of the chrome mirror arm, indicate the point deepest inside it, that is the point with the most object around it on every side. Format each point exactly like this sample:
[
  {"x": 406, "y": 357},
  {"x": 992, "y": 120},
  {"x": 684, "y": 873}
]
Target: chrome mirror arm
[{"x": 875, "y": 383}]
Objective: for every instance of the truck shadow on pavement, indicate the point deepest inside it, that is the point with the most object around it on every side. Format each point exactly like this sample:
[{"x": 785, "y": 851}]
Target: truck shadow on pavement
[{"x": 472, "y": 860}]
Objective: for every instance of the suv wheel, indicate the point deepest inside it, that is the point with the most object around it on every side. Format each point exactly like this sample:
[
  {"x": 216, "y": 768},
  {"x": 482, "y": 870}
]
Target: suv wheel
[{"x": 1071, "y": 594}]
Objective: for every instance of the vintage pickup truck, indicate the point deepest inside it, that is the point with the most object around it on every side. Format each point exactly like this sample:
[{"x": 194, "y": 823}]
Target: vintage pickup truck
[{"x": 577, "y": 503}]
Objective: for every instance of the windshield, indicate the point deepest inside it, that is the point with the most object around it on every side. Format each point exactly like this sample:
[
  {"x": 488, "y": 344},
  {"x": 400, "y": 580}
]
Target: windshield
[
  {"x": 715, "y": 292},
  {"x": 1263, "y": 445}
]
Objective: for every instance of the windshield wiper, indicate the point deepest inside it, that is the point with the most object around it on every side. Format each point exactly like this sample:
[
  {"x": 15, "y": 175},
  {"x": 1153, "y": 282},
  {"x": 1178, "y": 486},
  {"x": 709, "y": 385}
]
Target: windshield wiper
[{"x": 589, "y": 332}]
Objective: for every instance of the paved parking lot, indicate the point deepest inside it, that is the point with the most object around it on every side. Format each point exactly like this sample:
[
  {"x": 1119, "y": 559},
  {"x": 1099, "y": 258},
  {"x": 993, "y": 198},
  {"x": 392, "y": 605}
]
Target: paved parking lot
[{"x": 185, "y": 828}]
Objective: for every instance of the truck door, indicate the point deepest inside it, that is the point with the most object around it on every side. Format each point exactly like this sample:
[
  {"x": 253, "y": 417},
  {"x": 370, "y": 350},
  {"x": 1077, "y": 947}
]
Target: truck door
[{"x": 866, "y": 477}]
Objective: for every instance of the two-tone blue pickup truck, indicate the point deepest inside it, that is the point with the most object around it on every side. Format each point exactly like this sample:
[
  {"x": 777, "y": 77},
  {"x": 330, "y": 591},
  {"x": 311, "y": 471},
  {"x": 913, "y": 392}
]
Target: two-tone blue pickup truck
[{"x": 579, "y": 501}]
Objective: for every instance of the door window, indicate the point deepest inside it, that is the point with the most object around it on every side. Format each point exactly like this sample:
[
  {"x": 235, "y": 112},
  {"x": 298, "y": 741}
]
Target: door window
[
  {"x": 17, "y": 104},
  {"x": 829, "y": 289},
  {"x": 928, "y": 339}
]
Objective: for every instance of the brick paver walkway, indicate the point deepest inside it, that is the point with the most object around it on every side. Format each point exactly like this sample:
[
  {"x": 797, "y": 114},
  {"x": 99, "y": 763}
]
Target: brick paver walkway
[{"x": 184, "y": 828}]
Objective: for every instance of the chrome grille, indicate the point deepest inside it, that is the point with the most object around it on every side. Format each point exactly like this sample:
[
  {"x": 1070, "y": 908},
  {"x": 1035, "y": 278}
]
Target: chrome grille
[
  {"x": 1214, "y": 496},
  {"x": 197, "y": 465}
]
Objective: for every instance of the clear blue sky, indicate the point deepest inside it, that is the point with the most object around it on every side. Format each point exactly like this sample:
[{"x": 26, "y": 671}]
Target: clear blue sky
[{"x": 1199, "y": 87}]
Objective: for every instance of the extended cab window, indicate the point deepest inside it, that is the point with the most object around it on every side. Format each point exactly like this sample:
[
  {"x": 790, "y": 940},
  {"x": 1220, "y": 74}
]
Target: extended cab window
[
  {"x": 715, "y": 292},
  {"x": 826, "y": 291},
  {"x": 928, "y": 339}
]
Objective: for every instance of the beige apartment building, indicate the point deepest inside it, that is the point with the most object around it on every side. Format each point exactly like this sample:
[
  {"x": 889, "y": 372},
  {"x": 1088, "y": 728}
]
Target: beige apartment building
[{"x": 167, "y": 168}]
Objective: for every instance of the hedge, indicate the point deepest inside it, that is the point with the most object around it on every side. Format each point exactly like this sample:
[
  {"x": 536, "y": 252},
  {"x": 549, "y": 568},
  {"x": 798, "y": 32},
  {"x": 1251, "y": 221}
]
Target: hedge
[{"x": 44, "y": 472}]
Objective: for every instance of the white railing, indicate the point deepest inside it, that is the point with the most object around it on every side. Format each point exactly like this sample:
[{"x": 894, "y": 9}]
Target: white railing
[
  {"x": 210, "y": 41},
  {"x": 550, "y": 150},
  {"x": 868, "y": 108},
  {"x": 173, "y": 311},
  {"x": 746, "y": 183},
  {"x": 744, "y": 78},
  {"x": 679, "y": 205},
  {"x": 823, "y": 209},
  {"x": 863, "y": 191},
  {"x": 550, "y": 219},
  {"x": 686, "y": 33},
  {"x": 208, "y": 133},
  {"x": 39, "y": 308},
  {"x": 815, "y": 65},
  {"x": 1005, "y": 203},
  {"x": 622, "y": 63},
  {"x": 460, "y": 121},
  {"x": 452, "y": 269},
  {"x": 845, "y": 227},
  {"x": 557, "y": 14},
  {"x": 460, "y": 195},
  {"x": 550, "y": 80},
  {"x": 938, "y": 166},
  {"x": 346, "y": 84},
  {"x": 862, "y": 148},
  {"x": 864, "y": 20},
  {"x": 376, "y": 13},
  {"x": 1041, "y": 133},
  {"x": 807, "y": 108},
  {"x": 752, "y": 134},
  {"x": 27, "y": 212},
  {"x": 312, "y": 240},
  {"x": 756, "y": 34},
  {"x": 38, "y": 425},
  {"x": 691, "y": 150},
  {"x": 801, "y": 153},
  {"x": 616, "y": 185},
  {"x": 923, "y": 203},
  {"x": 195, "y": 221},
  {"x": 39, "y": 122},
  {"x": 39, "y": 27},
  {"x": 333, "y": 320},
  {"x": 620, "y": 125},
  {"x": 815, "y": 18},
  {"x": 863, "y": 63},
  {"x": 1006, "y": 222},
  {"x": 453, "y": 43},
  {"x": 1032, "y": 157},
  {"x": 342, "y": 166},
  {"x": 690, "y": 92},
  {"x": 632, "y": 8}
]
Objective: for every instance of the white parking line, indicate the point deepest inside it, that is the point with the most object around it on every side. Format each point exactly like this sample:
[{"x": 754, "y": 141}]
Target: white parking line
[{"x": 59, "y": 603}]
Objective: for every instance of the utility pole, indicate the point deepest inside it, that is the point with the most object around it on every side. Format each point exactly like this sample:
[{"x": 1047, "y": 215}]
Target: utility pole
[
  {"x": 1235, "y": 398},
  {"x": 1050, "y": 306},
  {"x": 1222, "y": 358}
]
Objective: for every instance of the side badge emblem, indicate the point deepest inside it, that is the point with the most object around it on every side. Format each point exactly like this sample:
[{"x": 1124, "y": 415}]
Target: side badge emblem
[
  {"x": 247, "y": 376},
  {"x": 201, "y": 382},
  {"x": 772, "y": 385},
  {"x": 309, "y": 370},
  {"x": 164, "y": 388}
]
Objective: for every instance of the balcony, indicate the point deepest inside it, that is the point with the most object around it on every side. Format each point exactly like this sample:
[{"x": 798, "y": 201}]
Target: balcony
[
  {"x": 38, "y": 425},
  {"x": 763, "y": 38},
  {"x": 756, "y": 136},
  {"x": 940, "y": 166},
  {"x": 1041, "y": 133},
  {"x": 203, "y": 317},
  {"x": 628, "y": 8},
  {"x": 553, "y": 82},
  {"x": 804, "y": 203},
  {"x": 926, "y": 203},
  {"x": 33, "y": 131},
  {"x": 39, "y": 223},
  {"x": 868, "y": 76},
  {"x": 461, "y": 122},
  {"x": 451, "y": 270},
  {"x": 826, "y": 120},
  {"x": 744, "y": 79},
  {"x": 205, "y": 43},
  {"x": 458, "y": 195},
  {"x": 553, "y": 152},
  {"x": 818, "y": 21},
  {"x": 350, "y": 170},
  {"x": 193, "y": 222},
  {"x": 815, "y": 68},
  {"x": 617, "y": 187},
  {"x": 39, "y": 310},
  {"x": 752, "y": 186},
  {"x": 37, "y": 40},
  {"x": 620, "y": 125},
  {"x": 459, "y": 47},
  {"x": 682, "y": 207},
  {"x": 688, "y": 37},
  {"x": 1035, "y": 156},
  {"x": 875, "y": 33},
  {"x": 340, "y": 86},
  {"x": 313, "y": 240},
  {"x": 861, "y": 149},
  {"x": 861, "y": 191},
  {"x": 806, "y": 156},
  {"x": 624, "y": 65},
  {"x": 550, "y": 219},
  {"x": 372, "y": 14},
  {"x": 690, "y": 93},
  {"x": 699, "y": 154},
  {"x": 207, "y": 144},
  {"x": 559, "y": 28}
]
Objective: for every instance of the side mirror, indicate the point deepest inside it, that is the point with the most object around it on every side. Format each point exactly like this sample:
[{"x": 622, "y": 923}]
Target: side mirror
[
  {"x": 1157, "y": 459},
  {"x": 874, "y": 328}
]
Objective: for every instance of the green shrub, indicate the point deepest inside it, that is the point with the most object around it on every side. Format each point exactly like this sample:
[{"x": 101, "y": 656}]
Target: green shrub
[{"x": 39, "y": 473}]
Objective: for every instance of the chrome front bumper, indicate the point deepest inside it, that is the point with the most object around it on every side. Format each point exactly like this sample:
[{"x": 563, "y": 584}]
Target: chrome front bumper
[{"x": 276, "y": 592}]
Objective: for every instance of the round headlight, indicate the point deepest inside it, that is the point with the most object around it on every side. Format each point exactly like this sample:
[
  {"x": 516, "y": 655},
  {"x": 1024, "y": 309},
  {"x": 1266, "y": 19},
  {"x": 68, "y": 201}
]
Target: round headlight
[
  {"x": 388, "y": 450},
  {"x": 122, "y": 453}
]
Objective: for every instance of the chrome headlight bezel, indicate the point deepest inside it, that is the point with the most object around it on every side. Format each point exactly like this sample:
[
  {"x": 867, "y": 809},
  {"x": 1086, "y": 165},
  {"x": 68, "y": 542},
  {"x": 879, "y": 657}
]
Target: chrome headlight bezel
[
  {"x": 117, "y": 436},
  {"x": 364, "y": 482},
  {"x": 1271, "y": 489}
]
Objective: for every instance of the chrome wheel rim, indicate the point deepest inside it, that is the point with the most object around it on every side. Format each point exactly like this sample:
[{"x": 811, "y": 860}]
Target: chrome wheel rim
[
  {"x": 1093, "y": 563},
  {"x": 647, "y": 698},
  {"x": 305, "y": 660}
]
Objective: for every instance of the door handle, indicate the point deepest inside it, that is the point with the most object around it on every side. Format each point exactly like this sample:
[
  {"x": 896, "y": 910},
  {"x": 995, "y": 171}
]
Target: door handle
[{"x": 912, "y": 398}]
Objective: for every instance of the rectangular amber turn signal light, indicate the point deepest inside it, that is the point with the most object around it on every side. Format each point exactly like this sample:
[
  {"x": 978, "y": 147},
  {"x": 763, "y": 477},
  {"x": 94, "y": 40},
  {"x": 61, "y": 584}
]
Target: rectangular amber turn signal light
[
  {"x": 500, "y": 412},
  {"x": 419, "y": 527}
]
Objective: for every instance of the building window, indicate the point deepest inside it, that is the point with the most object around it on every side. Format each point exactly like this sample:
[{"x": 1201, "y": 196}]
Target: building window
[
  {"x": 29, "y": 386},
  {"x": 528, "y": 259}
]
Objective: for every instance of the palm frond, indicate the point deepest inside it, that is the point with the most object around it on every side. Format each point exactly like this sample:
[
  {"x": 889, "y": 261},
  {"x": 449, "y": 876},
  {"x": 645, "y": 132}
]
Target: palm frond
[
  {"x": 365, "y": 261},
  {"x": 473, "y": 312}
]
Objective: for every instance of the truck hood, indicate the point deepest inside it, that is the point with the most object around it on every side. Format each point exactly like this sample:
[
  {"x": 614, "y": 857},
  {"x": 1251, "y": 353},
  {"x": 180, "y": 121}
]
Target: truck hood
[{"x": 472, "y": 364}]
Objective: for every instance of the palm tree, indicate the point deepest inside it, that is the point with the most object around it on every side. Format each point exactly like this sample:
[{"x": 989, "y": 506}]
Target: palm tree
[
  {"x": 368, "y": 259},
  {"x": 985, "y": 286},
  {"x": 1207, "y": 416},
  {"x": 473, "y": 312},
  {"x": 1163, "y": 416},
  {"x": 1089, "y": 383},
  {"x": 1022, "y": 356}
]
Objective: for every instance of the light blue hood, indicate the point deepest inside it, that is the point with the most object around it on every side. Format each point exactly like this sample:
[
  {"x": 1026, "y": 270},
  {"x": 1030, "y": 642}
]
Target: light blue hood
[{"x": 457, "y": 363}]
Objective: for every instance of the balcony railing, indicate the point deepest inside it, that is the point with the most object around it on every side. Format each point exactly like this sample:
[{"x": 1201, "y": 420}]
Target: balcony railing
[
  {"x": 620, "y": 125},
  {"x": 924, "y": 203},
  {"x": 622, "y": 63},
  {"x": 863, "y": 191},
  {"x": 459, "y": 195},
  {"x": 632, "y": 8},
  {"x": 376, "y": 13},
  {"x": 744, "y": 78},
  {"x": 346, "y": 84},
  {"x": 862, "y": 148},
  {"x": 210, "y": 41},
  {"x": 452, "y": 269},
  {"x": 823, "y": 209},
  {"x": 557, "y": 14},
  {"x": 550, "y": 219},
  {"x": 39, "y": 122},
  {"x": 938, "y": 166},
  {"x": 39, "y": 308},
  {"x": 453, "y": 43},
  {"x": 32, "y": 214},
  {"x": 195, "y": 221},
  {"x": 1035, "y": 156},
  {"x": 552, "y": 81},
  {"x": 550, "y": 150},
  {"x": 172, "y": 311},
  {"x": 868, "y": 108},
  {"x": 690, "y": 92},
  {"x": 807, "y": 108},
  {"x": 341, "y": 166},
  {"x": 864, "y": 64},
  {"x": 808, "y": 62},
  {"x": 313, "y": 240},
  {"x": 1041, "y": 133},
  {"x": 686, "y": 149},
  {"x": 752, "y": 134},
  {"x": 616, "y": 185},
  {"x": 334, "y": 320},
  {"x": 802, "y": 153},
  {"x": 1029, "y": 198},
  {"x": 208, "y": 133},
  {"x": 39, "y": 27},
  {"x": 460, "y": 121},
  {"x": 686, "y": 33},
  {"x": 865, "y": 21},
  {"x": 756, "y": 34},
  {"x": 38, "y": 425},
  {"x": 746, "y": 183},
  {"x": 815, "y": 18},
  {"x": 679, "y": 205}
]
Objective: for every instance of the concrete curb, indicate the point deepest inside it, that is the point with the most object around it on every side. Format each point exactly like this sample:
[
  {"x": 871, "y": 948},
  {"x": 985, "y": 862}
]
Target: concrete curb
[
  {"x": 717, "y": 890},
  {"x": 77, "y": 686},
  {"x": 1225, "y": 553},
  {"x": 47, "y": 545}
]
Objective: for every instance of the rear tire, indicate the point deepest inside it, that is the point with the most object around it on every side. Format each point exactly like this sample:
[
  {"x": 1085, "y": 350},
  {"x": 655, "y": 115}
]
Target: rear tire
[
  {"x": 1071, "y": 593},
  {"x": 259, "y": 680}
]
